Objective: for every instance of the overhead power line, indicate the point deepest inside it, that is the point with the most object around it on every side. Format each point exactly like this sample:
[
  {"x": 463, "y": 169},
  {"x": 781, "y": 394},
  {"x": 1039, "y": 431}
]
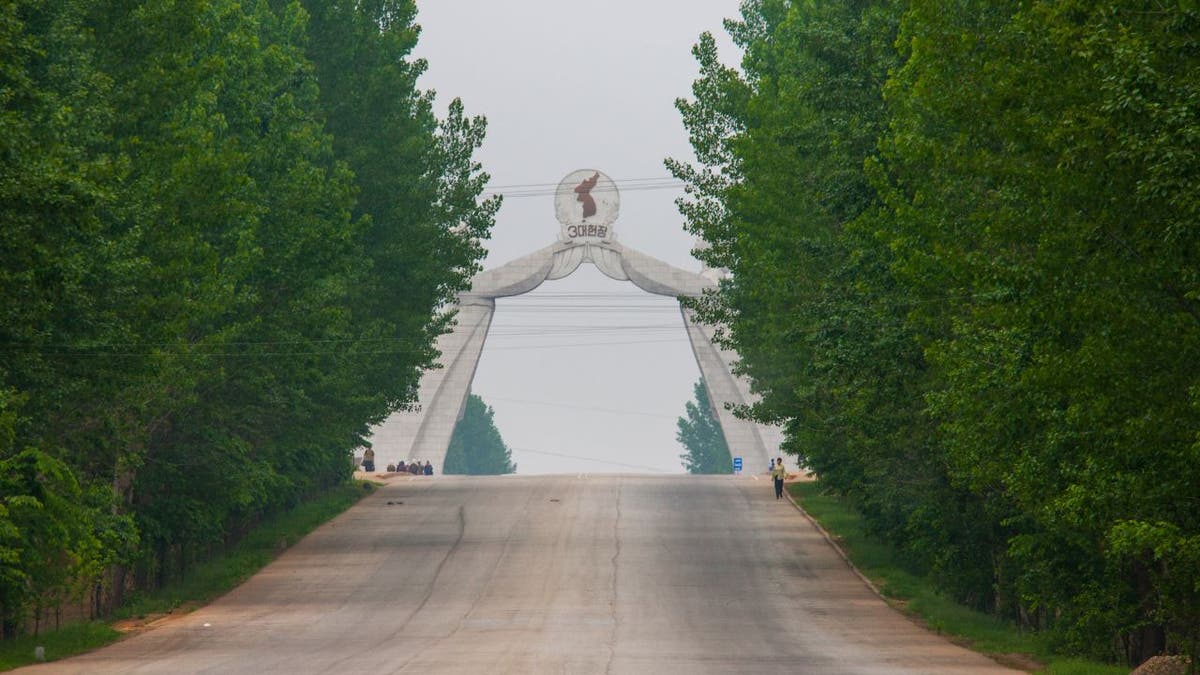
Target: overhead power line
[
  {"x": 583, "y": 294},
  {"x": 623, "y": 181},
  {"x": 590, "y": 409},
  {"x": 640, "y": 467},
  {"x": 578, "y": 345},
  {"x": 66, "y": 352},
  {"x": 385, "y": 450},
  {"x": 384, "y": 346},
  {"x": 547, "y": 189}
]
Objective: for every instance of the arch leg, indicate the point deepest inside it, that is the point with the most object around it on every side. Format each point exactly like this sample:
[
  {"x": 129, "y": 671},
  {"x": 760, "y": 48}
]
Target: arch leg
[
  {"x": 424, "y": 434},
  {"x": 756, "y": 443}
]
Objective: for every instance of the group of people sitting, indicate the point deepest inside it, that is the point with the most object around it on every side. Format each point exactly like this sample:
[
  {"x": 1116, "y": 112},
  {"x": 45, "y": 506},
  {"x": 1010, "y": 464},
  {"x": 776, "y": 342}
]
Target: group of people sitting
[{"x": 415, "y": 468}]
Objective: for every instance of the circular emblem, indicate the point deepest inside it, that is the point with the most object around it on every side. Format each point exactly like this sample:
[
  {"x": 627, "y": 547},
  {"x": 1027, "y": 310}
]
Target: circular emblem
[{"x": 586, "y": 203}]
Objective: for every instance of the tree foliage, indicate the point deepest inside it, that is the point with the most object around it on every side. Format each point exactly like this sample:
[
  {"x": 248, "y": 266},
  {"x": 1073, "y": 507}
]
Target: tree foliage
[
  {"x": 701, "y": 437},
  {"x": 231, "y": 230},
  {"x": 476, "y": 448},
  {"x": 964, "y": 275}
]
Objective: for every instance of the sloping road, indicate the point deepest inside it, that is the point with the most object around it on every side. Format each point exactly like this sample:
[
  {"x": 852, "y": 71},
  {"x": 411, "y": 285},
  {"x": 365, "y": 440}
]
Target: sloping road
[{"x": 549, "y": 574}]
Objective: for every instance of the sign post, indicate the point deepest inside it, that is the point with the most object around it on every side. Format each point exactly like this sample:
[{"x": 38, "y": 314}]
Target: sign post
[{"x": 737, "y": 465}]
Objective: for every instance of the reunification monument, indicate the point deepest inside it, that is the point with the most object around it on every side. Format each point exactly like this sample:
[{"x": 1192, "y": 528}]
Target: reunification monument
[{"x": 586, "y": 203}]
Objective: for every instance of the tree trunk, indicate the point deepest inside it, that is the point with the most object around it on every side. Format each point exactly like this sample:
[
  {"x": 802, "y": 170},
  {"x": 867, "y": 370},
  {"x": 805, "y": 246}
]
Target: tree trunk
[
  {"x": 164, "y": 556},
  {"x": 116, "y": 584},
  {"x": 1149, "y": 639},
  {"x": 1145, "y": 642},
  {"x": 123, "y": 490}
]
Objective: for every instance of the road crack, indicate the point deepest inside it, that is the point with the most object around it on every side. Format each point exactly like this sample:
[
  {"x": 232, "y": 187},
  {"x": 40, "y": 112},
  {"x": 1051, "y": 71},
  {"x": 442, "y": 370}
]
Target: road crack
[
  {"x": 462, "y": 528},
  {"x": 612, "y": 603}
]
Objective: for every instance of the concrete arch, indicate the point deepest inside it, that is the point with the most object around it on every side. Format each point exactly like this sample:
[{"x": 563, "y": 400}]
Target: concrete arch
[{"x": 424, "y": 432}]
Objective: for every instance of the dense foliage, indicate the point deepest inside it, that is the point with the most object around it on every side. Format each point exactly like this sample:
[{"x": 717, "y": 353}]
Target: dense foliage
[
  {"x": 964, "y": 249},
  {"x": 699, "y": 432},
  {"x": 476, "y": 448},
  {"x": 229, "y": 230}
]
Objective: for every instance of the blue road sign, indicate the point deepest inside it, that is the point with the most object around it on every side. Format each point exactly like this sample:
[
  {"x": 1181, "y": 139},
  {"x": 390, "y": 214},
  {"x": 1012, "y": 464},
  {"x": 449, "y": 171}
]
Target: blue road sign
[{"x": 737, "y": 464}]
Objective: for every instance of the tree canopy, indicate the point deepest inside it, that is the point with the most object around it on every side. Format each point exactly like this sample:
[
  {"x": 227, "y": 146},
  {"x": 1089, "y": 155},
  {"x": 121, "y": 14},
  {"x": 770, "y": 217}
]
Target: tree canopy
[
  {"x": 231, "y": 230},
  {"x": 964, "y": 258},
  {"x": 476, "y": 448},
  {"x": 699, "y": 432}
]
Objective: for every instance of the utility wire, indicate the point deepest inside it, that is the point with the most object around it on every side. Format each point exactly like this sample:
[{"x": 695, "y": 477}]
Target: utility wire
[
  {"x": 620, "y": 184},
  {"x": 597, "y": 460},
  {"x": 338, "y": 352},
  {"x": 547, "y": 189},
  {"x": 386, "y": 450},
  {"x": 510, "y": 195},
  {"x": 598, "y": 190},
  {"x": 556, "y": 183},
  {"x": 593, "y": 344},
  {"x": 532, "y": 330},
  {"x": 550, "y": 404}
]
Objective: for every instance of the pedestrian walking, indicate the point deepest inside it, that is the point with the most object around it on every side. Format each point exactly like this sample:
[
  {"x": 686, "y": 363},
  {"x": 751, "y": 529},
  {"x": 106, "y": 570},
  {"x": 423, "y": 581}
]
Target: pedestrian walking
[
  {"x": 778, "y": 472},
  {"x": 368, "y": 463}
]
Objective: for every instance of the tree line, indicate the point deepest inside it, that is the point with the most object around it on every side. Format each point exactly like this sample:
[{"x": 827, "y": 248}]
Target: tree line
[
  {"x": 964, "y": 254},
  {"x": 476, "y": 447},
  {"x": 699, "y": 432},
  {"x": 228, "y": 230}
]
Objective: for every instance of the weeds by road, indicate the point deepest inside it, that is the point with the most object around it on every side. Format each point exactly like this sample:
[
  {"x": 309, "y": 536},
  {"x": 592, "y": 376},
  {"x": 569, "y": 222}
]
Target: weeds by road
[
  {"x": 909, "y": 589},
  {"x": 204, "y": 584}
]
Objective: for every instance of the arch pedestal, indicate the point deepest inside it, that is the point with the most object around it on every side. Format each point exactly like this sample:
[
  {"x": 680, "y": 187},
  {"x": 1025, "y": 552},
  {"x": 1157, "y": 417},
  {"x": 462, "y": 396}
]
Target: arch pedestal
[{"x": 424, "y": 432}]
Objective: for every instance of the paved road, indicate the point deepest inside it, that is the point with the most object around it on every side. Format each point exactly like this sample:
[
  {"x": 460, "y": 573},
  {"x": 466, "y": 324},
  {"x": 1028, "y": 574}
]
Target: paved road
[{"x": 549, "y": 574}]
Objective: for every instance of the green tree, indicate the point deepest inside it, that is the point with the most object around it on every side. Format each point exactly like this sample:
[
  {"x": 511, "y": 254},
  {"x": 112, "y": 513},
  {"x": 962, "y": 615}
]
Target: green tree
[
  {"x": 55, "y": 546},
  {"x": 788, "y": 204},
  {"x": 63, "y": 279},
  {"x": 417, "y": 185},
  {"x": 701, "y": 436},
  {"x": 194, "y": 282},
  {"x": 476, "y": 448},
  {"x": 60, "y": 277},
  {"x": 1038, "y": 174},
  {"x": 240, "y": 247},
  {"x": 963, "y": 275}
]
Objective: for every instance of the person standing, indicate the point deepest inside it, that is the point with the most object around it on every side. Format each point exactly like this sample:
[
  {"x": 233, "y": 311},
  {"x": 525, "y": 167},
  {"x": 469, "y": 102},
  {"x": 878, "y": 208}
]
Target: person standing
[
  {"x": 368, "y": 463},
  {"x": 778, "y": 472}
]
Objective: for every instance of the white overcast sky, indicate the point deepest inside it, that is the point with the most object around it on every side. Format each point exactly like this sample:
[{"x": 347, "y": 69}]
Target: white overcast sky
[{"x": 585, "y": 374}]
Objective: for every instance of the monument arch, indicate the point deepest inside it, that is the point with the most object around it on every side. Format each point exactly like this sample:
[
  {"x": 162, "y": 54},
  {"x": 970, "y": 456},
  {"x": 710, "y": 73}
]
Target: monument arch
[{"x": 586, "y": 204}]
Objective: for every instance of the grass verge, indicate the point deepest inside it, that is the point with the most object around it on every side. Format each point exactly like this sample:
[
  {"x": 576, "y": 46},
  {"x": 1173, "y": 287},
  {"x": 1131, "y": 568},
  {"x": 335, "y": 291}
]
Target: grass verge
[
  {"x": 70, "y": 639},
  {"x": 205, "y": 582},
  {"x": 916, "y": 594}
]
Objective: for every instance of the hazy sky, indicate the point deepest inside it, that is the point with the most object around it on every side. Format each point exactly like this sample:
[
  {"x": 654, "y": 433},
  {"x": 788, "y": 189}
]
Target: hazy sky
[{"x": 583, "y": 367}]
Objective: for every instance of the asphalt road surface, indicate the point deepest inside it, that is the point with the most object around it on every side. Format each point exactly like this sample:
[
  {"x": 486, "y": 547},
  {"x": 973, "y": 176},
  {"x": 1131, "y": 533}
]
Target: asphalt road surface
[{"x": 549, "y": 574}]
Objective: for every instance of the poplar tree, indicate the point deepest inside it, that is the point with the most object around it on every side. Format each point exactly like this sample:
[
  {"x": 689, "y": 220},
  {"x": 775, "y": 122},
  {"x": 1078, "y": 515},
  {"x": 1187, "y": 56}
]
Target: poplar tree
[
  {"x": 476, "y": 447},
  {"x": 700, "y": 434},
  {"x": 220, "y": 264},
  {"x": 963, "y": 254}
]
